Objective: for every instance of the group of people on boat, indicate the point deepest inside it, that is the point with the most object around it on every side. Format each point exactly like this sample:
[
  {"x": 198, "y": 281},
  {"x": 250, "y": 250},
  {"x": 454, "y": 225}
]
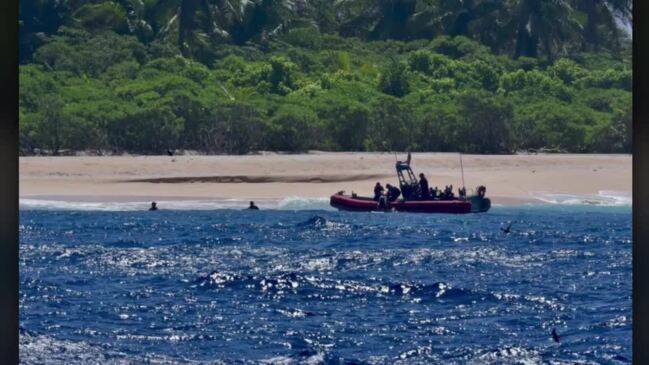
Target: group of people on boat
[
  {"x": 392, "y": 193},
  {"x": 384, "y": 195},
  {"x": 447, "y": 193}
]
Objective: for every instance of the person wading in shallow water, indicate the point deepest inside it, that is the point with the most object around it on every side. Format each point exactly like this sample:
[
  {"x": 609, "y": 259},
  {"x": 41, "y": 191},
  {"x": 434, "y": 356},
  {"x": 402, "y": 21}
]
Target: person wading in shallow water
[
  {"x": 154, "y": 206},
  {"x": 253, "y": 206}
]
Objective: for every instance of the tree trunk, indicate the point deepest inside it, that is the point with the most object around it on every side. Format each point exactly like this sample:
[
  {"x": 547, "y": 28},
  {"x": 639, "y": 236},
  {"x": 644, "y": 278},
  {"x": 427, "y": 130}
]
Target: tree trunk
[
  {"x": 56, "y": 145},
  {"x": 522, "y": 34},
  {"x": 590, "y": 31},
  {"x": 188, "y": 10}
]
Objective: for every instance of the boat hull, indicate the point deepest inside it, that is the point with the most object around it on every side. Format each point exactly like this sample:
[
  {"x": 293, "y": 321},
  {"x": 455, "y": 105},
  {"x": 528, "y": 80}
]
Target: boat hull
[{"x": 456, "y": 206}]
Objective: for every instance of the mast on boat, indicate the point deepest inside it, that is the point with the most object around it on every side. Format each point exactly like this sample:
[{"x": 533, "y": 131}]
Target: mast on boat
[{"x": 462, "y": 169}]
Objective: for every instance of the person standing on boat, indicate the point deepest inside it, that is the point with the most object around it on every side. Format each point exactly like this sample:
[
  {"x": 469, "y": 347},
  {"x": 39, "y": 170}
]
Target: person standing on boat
[
  {"x": 423, "y": 185},
  {"x": 393, "y": 192},
  {"x": 378, "y": 191}
]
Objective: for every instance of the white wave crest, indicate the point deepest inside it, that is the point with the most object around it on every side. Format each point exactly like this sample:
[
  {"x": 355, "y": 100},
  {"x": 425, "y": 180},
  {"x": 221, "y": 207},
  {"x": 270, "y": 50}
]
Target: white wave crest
[
  {"x": 603, "y": 198},
  {"x": 298, "y": 203},
  {"x": 290, "y": 203}
]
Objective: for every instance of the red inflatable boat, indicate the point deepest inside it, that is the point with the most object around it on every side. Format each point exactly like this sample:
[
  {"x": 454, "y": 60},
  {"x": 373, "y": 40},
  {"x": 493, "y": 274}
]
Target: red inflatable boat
[
  {"x": 411, "y": 201},
  {"x": 364, "y": 204}
]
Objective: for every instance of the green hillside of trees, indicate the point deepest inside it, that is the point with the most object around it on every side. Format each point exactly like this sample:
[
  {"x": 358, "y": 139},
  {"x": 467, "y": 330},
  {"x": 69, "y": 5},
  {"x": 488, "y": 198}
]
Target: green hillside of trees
[{"x": 219, "y": 76}]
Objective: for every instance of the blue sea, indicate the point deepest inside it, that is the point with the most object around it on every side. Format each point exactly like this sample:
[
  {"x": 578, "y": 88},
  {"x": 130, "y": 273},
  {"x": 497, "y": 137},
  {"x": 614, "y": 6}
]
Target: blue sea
[{"x": 316, "y": 286}]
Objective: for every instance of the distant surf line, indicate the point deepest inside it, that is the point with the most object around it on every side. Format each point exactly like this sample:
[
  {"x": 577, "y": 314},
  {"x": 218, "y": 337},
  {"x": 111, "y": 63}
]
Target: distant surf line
[
  {"x": 289, "y": 203},
  {"x": 603, "y": 198}
]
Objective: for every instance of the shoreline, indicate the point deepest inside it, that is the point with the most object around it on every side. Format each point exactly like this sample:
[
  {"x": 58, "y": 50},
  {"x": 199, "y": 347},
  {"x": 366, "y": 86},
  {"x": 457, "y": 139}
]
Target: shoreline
[
  {"x": 510, "y": 179},
  {"x": 501, "y": 200},
  {"x": 177, "y": 204}
]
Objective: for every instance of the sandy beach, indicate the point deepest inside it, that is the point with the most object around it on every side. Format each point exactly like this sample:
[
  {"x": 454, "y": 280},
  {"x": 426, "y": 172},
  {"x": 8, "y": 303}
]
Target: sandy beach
[{"x": 509, "y": 179}]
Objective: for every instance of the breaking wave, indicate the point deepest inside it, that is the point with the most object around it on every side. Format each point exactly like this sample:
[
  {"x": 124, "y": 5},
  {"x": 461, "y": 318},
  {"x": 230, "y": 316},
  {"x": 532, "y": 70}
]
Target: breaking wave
[
  {"x": 290, "y": 203},
  {"x": 602, "y": 198}
]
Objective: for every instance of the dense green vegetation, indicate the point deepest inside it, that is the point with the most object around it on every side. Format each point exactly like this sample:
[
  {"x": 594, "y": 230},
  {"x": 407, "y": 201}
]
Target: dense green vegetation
[{"x": 223, "y": 76}]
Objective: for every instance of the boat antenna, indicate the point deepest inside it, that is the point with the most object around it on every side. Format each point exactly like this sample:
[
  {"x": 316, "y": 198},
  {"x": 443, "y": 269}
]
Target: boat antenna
[{"x": 462, "y": 168}]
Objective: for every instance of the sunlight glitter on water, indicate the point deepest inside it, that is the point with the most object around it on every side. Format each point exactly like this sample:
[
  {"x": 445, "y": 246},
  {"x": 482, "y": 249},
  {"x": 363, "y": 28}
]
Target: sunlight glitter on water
[{"x": 211, "y": 287}]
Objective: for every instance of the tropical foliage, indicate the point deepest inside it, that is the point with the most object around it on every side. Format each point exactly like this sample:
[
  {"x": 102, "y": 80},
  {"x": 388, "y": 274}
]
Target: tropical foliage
[{"x": 228, "y": 76}]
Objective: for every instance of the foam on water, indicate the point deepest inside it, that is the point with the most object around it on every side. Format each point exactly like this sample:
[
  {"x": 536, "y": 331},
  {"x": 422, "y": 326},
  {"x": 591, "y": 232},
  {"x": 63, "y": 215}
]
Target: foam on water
[
  {"x": 602, "y": 198},
  {"x": 290, "y": 203}
]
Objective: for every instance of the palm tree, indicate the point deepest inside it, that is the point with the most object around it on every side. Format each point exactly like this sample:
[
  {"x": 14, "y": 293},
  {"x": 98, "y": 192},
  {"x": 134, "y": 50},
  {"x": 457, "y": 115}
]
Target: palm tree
[
  {"x": 201, "y": 22},
  {"x": 483, "y": 20},
  {"x": 194, "y": 22},
  {"x": 542, "y": 24},
  {"x": 266, "y": 18},
  {"x": 602, "y": 14},
  {"x": 37, "y": 19},
  {"x": 381, "y": 19}
]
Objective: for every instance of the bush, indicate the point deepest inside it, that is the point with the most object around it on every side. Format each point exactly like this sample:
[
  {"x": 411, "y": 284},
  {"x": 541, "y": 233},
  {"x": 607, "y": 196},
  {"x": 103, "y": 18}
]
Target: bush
[
  {"x": 352, "y": 127},
  {"x": 235, "y": 128},
  {"x": 614, "y": 135},
  {"x": 458, "y": 47},
  {"x": 281, "y": 76},
  {"x": 306, "y": 37},
  {"x": 92, "y": 58},
  {"x": 566, "y": 70},
  {"x": 293, "y": 129},
  {"x": 486, "y": 123},
  {"x": 605, "y": 100},
  {"x": 392, "y": 127},
  {"x": 486, "y": 76},
  {"x": 553, "y": 124},
  {"x": 394, "y": 80},
  {"x": 151, "y": 129},
  {"x": 534, "y": 83},
  {"x": 420, "y": 61},
  {"x": 437, "y": 128},
  {"x": 442, "y": 66},
  {"x": 608, "y": 79},
  {"x": 102, "y": 16}
]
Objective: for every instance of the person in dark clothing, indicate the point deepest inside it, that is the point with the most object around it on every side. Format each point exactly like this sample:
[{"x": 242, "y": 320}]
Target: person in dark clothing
[
  {"x": 462, "y": 192},
  {"x": 253, "y": 206},
  {"x": 378, "y": 191},
  {"x": 154, "y": 206},
  {"x": 383, "y": 202},
  {"x": 423, "y": 184},
  {"x": 393, "y": 192}
]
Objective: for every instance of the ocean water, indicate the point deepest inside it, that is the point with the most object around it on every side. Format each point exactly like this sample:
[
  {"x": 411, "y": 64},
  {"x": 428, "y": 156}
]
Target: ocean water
[{"x": 315, "y": 286}]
